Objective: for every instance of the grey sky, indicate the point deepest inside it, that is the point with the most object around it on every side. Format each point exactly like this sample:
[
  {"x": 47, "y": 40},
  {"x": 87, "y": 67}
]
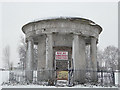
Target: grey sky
[{"x": 15, "y": 15}]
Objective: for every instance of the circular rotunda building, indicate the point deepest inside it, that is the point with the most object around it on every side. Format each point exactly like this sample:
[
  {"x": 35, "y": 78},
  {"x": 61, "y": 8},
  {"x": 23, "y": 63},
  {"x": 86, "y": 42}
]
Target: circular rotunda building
[{"x": 61, "y": 44}]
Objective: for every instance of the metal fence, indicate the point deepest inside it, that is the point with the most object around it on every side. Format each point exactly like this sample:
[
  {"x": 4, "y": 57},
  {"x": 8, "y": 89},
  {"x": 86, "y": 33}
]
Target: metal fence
[{"x": 104, "y": 78}]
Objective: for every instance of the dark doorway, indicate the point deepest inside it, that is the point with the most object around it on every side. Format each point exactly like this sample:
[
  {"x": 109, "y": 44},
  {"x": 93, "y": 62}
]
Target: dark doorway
[{"x": 62, "y": 62}]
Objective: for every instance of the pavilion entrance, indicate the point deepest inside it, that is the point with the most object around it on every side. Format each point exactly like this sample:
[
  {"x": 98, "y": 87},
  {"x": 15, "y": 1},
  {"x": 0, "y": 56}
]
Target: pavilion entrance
[{"x": 62, "y": 63}]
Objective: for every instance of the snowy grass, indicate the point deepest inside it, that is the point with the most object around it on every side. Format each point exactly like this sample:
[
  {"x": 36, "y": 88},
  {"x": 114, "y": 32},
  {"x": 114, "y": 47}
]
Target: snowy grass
[
  {"x": 4, "y": 77},
  {"x": 41, "y": 86}
]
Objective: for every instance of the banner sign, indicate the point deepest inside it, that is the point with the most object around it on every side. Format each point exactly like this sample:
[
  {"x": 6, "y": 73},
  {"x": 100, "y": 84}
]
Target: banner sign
[
  {"x": 62, "y": 75},
  {"x": 61, "y": 55}
]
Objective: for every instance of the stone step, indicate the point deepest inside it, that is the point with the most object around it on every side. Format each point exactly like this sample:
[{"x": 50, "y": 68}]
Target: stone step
[{"x": 61, "y": 83}]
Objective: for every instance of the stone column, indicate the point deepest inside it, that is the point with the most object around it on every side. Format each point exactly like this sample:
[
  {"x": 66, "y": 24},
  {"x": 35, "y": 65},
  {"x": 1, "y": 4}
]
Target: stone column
[
  {"x": 93, "y": 56},
  {"x": 29, "y": 60},
  {"x": 78, "y": 52},
  {"x": 41, "y": 58},
  {"x": 49, "y": 56}
]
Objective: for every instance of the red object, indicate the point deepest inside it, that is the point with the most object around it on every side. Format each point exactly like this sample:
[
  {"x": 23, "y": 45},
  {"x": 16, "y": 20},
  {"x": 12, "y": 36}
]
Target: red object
[{"x": 61, "y": 55}]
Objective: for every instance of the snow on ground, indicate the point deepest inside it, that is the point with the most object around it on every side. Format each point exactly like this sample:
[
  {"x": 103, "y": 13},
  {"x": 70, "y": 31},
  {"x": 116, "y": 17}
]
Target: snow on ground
[
  {"x": 41, "y": 86},
  {"x": 0, "y": 79},
  {"x": 4, "y": 77}
]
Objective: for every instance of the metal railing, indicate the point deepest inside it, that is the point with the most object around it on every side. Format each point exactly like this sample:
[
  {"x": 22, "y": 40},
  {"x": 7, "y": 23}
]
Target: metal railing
[{"x": 104, "y": 78}]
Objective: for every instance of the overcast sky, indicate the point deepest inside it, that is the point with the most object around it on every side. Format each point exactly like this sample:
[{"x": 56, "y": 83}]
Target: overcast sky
[{"x": 14, "y": 15}]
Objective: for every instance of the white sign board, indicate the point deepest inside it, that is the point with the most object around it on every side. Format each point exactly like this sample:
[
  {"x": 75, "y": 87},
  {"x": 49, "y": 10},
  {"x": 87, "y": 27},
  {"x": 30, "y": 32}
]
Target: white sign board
[{"x": 61, "y": 55}]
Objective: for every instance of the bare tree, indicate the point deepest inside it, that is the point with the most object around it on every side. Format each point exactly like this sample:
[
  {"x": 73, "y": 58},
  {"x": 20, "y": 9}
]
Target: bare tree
[
  {"x": 6, "y": 57},
  {"x": 111, "y": 57},
  {"x": 22, "y": 49},
  {"x": 108, "y": 62},
  {"x": 119, "y": 60},
  {"x": 100, "y": 59},
  {"x": 22, "y": 52},
  {"x": 108, "y": 58},
  {"x": 11, "y": 66}
]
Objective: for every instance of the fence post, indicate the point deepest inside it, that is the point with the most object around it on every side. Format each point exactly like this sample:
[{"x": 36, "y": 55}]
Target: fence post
[
  {"x": 102, "y": 77},
  {"x": 113, "y": 77}
]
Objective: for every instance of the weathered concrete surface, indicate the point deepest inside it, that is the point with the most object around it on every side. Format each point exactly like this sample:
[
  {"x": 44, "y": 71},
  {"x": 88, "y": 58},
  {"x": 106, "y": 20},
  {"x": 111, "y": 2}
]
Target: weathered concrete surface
[
  {"x": 93, "y": 56},
  {"x": 61, "y": 25},
  {"x": 62, "y": 40},
  {"x": 62, "y": 32},
  {"x": 49, "y": 56},
  {"x": 79, "y": 60},
  {"x": 29, "y": 60},
  {"x": 41, "y": 75},
  {"x": 49, "y": 52}
]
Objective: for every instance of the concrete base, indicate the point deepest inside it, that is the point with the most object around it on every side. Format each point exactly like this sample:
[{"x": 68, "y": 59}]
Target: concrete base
[
  {"x": 41, "y": 75},
  {"x": 29, "y": 76},
  {"x": 79, "y": 76}
]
